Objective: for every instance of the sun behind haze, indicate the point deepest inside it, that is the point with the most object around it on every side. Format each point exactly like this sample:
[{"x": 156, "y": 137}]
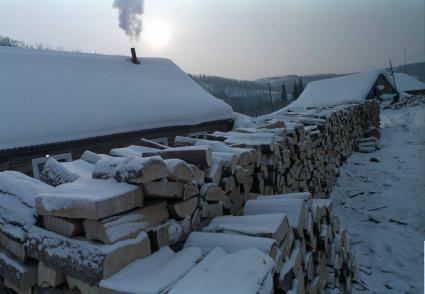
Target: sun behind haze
[{"x": 157, "y": 34}]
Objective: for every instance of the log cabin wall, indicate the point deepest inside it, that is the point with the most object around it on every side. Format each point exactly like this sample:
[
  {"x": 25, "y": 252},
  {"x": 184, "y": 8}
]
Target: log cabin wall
[{"x": 20, "y": 159}]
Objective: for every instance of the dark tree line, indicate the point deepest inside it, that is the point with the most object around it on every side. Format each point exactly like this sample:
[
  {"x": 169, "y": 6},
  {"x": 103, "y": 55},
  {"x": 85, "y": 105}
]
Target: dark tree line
[
  {"x": 248, "y": 97},
  {"x": 298, "y": 89}
]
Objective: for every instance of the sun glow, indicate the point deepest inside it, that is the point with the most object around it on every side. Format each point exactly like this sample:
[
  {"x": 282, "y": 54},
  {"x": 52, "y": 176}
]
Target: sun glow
[{"x": 158, "y": 34}]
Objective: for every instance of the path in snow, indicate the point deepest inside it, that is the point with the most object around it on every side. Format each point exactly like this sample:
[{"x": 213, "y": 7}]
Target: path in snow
[{"x": 382, "y": 205}]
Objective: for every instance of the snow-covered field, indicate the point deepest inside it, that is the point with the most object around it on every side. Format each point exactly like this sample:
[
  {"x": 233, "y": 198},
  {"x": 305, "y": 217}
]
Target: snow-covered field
[{"x": 382, "y": 204}]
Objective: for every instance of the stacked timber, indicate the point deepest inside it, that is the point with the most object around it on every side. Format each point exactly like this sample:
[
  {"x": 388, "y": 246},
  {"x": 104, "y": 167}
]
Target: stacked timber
[
  {"x": 107, "y": 218},
  {"x": 369, "y": 143},
  {"x": 229, "y": 180},
  {"x": 17, "y": 216},
  {"x": 320, "y": 255},
  {"x": 200, "y": 170},
  {"x": 98, "y": 215}
]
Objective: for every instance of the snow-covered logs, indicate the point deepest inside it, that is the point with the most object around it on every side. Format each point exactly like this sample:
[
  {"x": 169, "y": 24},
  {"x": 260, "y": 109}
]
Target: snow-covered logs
[{"x": 103, "y": 215}]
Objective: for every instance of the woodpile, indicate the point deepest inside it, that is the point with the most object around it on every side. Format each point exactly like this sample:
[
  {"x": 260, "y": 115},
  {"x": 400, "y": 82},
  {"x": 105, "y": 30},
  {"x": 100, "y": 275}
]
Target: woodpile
[
  {"x": 370, "y": 143},
  {"x": 291, "y": 152},
  {"x": 104, "y": 218}
]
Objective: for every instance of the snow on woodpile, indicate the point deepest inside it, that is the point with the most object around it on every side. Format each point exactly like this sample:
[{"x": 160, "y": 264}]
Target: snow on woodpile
[
  {"x": 57, "y": 173},
  {"x": 131, "y": 169},
  {"x": 336, "y": 91},
  {"x": 406, "y": 83},
  {"x": 22, "y": 187},
  {"x": 247, "y": 271},
  {"x": 95, "y": 196},
  {"x": 71, "y": 96},
  {"x": 153, "y": 274}
]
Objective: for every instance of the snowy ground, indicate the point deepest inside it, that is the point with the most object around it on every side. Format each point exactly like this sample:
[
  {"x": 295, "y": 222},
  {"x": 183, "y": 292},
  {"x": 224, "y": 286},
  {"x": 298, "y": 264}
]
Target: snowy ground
[{"x": 382, "y": 204}]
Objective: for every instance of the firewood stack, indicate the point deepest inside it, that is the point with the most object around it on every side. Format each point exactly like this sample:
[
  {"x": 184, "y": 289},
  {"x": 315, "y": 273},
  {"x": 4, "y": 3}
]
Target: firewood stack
[
  {"x": 101, "y": 213},
  {"x": 293, "y": 151},
  {"x": 299, "y": 233}
]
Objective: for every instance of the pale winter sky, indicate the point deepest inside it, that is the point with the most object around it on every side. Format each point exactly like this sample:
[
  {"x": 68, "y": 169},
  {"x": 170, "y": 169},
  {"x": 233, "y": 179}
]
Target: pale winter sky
[{"x": 234, "y": 38}]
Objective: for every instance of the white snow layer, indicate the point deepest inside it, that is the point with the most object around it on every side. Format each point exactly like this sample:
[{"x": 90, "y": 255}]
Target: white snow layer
[
  {"x": 389, "y": 253},
  {"x": 155, "y": 273},
  {"x": 228, "y": 242},
  {"x": 336, "y": 91},
  {"x": 15, "y": 217},
  {"x": 83, "y": 192},
  {"x": 252, "y": 225},
  {"x": 242, "y": 121},
  {"x": 246, "y": 272},
  {"x": 22, "y": 186},
  {"x": 57, "y": 173},
  {"x": 405, "y": 83},
  {"x": 70, "y": 96}
]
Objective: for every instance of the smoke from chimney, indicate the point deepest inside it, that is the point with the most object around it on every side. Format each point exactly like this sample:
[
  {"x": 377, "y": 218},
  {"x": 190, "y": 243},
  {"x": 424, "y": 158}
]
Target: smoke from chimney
[{"x": 130, "y": 12}]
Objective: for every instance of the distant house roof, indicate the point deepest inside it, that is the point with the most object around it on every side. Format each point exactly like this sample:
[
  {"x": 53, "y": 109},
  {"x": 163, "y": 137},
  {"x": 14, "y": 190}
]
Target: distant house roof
[
  {"x": 49, "y": 97},
  {"x": 406, "y": 83},
  {"x": 335, "y": 91}
]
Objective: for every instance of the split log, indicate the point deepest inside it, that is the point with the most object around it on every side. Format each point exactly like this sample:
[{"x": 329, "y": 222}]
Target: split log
[
  {"x": 178, "y": 171},
  {"x": 306, "y": 196},
  {"x": 228, "y": 184},
  {"x": 201, "y": 156},
  {"x": 151, "y": 144},
  {"x": 247, "y": 156},
  {"x": 210, "y": 192},
  {"x": 163, "y": 190},
  {"x": 295, "y": 209},
  {"x": 134, "y": 170},
  {"x": 274, "y": 226},
  {"x": 265, "y": 141},
  {"x": 57, "y": 173},
  {"x": 159, "y": 236},
  {"x": 89, "y": 199},
  {"x": 198, "y": 174},
  {"x": 92, "y": 157},
  {"x": 214, "y": 173},
  {"x": 207, "y": 242},
  {"x": 23, "y": 276},
  {"x": 126, "y": 226},
  {"x": 212, "y": 209},
  {"x": 13, "y": 246},
  {"x": 181, "y": 210},
  {"x": 181, "y": 141},
  {"x": 230, "y": 161},
  {"x": 15, "y": 289},
  {"x": 84, "y": 260},
  {"x": 190, "y": 190},
  {"x": 130, "y": 151},
  {"x": 48, "y": 277},
  {"x": 214, "y": 270},
  {"x": 114, "y": 229},
  {"x": 153, "y": 274},
  {"x": 154, "y": 213},
  {"x": 81, "y": 286},
  {"x": 237, "y": 200},
  {"x": 63, "y": 226}
]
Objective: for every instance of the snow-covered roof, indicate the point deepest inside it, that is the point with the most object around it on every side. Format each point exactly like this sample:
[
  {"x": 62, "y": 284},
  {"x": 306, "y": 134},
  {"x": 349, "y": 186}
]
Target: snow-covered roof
[
  {"x": 49, "y": 97},
  {"x": 335, "y": 91},
  {"x": 406, "y": 83}
]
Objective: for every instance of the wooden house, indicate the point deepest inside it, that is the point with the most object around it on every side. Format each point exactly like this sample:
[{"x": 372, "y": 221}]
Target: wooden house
[
  {"x": 408, "y": 84},
  {"x": 61, "y": 104},
  {"x": 344, "y": 89}
]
